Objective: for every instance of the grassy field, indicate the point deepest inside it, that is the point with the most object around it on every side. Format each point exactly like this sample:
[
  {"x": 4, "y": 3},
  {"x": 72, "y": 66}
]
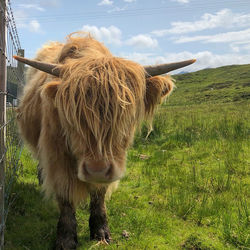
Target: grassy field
[{"x": 186, "y": 187}]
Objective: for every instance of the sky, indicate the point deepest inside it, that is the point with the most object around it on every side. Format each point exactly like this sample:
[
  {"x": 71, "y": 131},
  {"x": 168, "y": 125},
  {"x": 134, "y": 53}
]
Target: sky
[{"x": 215, "y": 32}]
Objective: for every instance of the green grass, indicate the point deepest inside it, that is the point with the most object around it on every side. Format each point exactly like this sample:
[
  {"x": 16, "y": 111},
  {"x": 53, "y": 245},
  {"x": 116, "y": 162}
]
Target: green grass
[{"x": 186, "y": 186}]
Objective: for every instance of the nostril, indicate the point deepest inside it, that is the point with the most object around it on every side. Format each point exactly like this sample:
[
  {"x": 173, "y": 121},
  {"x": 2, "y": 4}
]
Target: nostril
[{"x": 109, "y": 171}]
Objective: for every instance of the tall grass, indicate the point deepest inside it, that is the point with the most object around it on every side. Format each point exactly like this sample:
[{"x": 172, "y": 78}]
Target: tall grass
[{"x": 198, "y": 166}]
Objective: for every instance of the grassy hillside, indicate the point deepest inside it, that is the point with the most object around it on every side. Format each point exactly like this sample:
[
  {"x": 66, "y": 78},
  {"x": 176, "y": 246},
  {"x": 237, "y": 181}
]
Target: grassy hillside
[
  {"x": 186, "y": 187},
  {"x": 220, "y": 85}
]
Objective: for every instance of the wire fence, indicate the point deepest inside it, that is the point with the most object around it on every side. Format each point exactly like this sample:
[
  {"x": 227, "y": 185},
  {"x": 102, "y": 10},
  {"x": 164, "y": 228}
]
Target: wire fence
[{"x": 11, "y": 85}]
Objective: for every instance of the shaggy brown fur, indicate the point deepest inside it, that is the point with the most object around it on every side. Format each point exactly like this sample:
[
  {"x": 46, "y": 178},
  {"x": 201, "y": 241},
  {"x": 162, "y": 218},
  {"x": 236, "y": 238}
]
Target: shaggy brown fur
[{"x": 90, "y": 112}]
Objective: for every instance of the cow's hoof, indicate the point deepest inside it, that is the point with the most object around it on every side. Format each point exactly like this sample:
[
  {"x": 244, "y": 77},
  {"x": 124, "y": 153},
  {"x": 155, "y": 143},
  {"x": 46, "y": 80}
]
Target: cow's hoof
[{"x": 101, "y": 234}]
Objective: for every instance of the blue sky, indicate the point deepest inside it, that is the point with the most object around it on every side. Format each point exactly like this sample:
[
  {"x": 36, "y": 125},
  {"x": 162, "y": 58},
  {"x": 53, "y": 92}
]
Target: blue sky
[{"x": 215, "y": 32}]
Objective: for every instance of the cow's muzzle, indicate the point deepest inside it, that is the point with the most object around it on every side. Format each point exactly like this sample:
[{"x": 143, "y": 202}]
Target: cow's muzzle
[{"x": 97, "y": 171}]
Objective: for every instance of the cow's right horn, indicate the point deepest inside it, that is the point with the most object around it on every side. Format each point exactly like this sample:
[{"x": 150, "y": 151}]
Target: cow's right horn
[
  {"x": 160, "y": 69},
  {"x": 49, "y": 68}
]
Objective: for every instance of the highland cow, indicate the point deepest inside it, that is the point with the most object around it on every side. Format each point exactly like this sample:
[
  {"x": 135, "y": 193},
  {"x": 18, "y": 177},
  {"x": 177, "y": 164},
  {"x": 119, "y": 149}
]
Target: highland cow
[{"x": 79, "y": 112}]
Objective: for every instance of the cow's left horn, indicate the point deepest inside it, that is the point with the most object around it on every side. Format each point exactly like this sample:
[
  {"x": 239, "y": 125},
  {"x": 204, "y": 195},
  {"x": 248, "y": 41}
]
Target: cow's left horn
[
  {"x": 49, "y": 68},
  {"x": 165, "y": 68}
]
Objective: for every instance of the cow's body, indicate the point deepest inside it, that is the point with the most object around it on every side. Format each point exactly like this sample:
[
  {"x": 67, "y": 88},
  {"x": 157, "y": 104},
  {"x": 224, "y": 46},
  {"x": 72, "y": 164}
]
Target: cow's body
[{"x": 80, "y": 125}]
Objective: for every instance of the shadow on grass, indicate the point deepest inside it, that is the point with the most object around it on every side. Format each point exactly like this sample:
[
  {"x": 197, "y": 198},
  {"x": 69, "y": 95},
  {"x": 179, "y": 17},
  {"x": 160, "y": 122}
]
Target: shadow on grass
[{"x": 31, "y": 222}]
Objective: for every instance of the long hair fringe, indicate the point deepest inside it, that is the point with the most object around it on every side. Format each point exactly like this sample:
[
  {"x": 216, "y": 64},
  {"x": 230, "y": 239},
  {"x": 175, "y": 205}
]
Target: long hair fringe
[{"x": 101, "y": 97}]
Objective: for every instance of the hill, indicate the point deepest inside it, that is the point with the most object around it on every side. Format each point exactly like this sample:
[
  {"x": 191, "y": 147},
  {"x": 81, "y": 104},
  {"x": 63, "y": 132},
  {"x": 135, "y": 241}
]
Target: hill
[{"x": 219, "y": 85}]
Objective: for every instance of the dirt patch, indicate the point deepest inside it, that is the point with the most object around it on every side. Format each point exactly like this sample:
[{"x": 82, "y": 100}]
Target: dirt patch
[
  {"x": 242, "y": 96},
  {"x": 194, "y": 243},
  {"x": 218, "y": 85},
  {"x": 246, "y": 84}
]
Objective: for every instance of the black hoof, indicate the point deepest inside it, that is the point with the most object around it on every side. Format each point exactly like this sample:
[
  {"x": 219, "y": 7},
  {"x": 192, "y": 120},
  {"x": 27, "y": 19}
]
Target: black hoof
[
  {"x": 101, "y": 234},
  {"x": 66, "y": 234},
  {"x": 99, "y": 229}
]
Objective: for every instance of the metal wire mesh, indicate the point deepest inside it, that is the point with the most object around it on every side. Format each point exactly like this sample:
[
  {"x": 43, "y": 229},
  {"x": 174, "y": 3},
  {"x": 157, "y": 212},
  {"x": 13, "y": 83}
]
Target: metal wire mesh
[{"x": 11, "y": 85}]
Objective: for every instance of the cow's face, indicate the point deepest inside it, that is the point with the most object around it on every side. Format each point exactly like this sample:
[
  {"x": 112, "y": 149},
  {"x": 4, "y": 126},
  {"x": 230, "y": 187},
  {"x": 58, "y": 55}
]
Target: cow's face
[
  {"x": 99, "y": 111},
  {"x": 100, "y": 102}
]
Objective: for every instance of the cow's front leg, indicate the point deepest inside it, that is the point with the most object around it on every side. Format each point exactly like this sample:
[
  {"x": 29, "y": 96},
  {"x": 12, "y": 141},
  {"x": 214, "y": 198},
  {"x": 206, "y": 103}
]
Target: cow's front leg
[
  {"x": 66, "y": 227},
  {"x": 98, "y": 223}
]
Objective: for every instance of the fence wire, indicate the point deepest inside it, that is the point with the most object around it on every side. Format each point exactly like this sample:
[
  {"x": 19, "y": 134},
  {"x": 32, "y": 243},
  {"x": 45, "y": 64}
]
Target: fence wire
[{"x": 11, "y": 86}]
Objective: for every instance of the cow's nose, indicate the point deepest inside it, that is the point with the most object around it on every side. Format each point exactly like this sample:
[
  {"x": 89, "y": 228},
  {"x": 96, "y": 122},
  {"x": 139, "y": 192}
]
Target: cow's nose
[{"x": 98, "y": 170}]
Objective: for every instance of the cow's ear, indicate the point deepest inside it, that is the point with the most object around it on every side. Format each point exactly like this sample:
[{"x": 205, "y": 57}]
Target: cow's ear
[
  {"x": 50, "y": 89},
  {"x": 157, "y": 88}
]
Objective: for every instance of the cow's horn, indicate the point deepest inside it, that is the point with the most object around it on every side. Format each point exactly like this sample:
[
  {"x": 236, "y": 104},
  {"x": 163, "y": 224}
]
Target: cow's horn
[
  {"x": 49, "y": 68},
  {"x": 165, "y": 68}
]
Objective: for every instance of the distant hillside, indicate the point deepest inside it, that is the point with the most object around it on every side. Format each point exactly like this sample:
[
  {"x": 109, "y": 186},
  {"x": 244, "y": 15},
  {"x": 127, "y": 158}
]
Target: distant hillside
[{"x": 224, "y": 84}]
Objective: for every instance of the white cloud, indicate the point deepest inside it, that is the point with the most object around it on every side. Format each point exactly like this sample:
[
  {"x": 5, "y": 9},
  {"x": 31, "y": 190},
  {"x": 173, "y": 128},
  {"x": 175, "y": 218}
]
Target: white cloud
[
  {"x": 129, "y": 1},
  {"x": 142, "y": 41},
  {"x": 205, "y": 59},
  {"x": 113, "y": 35},
  {"x": 50, "y": 3},
  {"x": 181, "y": 1},
  {"x": 109, "y": 35},
  {"x": 23, "y": 23},
  {"x": 31, "y": 6},
  {"x": 105, "y": 2},
  {"x": 222, "y": 19},
  {"x": 228, "y": 37},
  {"x": 117, "y": 9},
  {"x": 142, "y": 58},
  {"x": 34, "y": 26},
  {"x": 240, "y": 46}
]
